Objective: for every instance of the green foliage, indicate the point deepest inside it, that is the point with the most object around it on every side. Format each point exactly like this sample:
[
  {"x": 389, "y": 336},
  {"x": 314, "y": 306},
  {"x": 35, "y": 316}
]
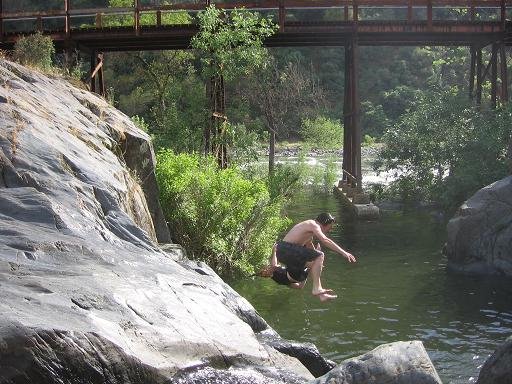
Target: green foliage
[
  {"x": 368, "y": 141},
  {"x": 231, "y": 44},
  {"x": 330, "y": 175},
  {"x": 35, "y": 50},
  {"x": 444, "y": 149},
  {"x": 374, "y": 121},
  {"x": 220, "y": 217},
  {"x": 165, "y": 90},
  {"x": 322, "y": 133},
  {"x": 399, "y": 100},
  {"x": 146, "y": 18},
  {"x": 244, "y": 145},
  {"x": 140, "y": 123}
]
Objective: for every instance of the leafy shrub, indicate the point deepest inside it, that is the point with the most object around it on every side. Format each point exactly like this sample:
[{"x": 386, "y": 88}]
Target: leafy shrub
[
  {"x": 368, "y": 141},
  {"x": 322, "y": 133},
  {"x": 35, "y": 50},
  {"x": 220, "y": 217},
  {"x": 444, "y": 149},
  {"x": 374, "y": 121}
]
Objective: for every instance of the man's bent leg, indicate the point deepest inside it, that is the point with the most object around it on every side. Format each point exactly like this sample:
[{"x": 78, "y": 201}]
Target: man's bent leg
[{"x": 315, "y": 271}]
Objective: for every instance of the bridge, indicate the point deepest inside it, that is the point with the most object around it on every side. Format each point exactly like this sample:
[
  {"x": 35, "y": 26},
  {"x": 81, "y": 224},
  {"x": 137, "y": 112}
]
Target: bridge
[{"x": 476, "y": 24}]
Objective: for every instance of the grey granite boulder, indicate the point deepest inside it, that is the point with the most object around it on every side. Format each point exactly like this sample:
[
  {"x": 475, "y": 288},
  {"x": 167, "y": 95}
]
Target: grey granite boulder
[
  {"x": 87, "y": 295},
  {"x": 480, "y": 235},
  {"x": 498, "y": 368},
  {"x": 395, "y": 363}
]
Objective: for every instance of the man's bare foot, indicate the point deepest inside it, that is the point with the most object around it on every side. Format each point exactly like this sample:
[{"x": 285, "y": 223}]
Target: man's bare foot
[
  {"x": 326, "y": 297},
  {"x": 322, "y": 291}
]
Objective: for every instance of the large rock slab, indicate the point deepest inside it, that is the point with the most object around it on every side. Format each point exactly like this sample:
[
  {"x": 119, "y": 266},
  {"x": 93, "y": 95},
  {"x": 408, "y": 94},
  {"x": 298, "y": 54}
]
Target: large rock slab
[
  {"x": 498, "y": 368},
  {"x": 395, "y": 363},
  {"x": 480, "y": 235},
  {"x": 87, "y": 295}
]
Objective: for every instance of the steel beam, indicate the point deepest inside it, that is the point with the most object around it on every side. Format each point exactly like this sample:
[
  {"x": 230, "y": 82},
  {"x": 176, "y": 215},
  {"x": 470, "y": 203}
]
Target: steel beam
[
  {"x": 352, "y": 130},
  {"x": 504, "y": 95},
  {"x": 472, "y": 71},
  {"x": 494, "y": 76},
  {"x": 479, "y": 78}
]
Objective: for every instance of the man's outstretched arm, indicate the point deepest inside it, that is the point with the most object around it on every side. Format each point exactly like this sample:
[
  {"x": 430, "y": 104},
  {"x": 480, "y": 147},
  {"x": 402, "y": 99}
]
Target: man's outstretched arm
[{"x": 324, "y": 240}]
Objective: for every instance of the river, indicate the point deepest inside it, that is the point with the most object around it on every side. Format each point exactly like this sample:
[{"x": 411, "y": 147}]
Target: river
[{"x": 398, "y": 290}]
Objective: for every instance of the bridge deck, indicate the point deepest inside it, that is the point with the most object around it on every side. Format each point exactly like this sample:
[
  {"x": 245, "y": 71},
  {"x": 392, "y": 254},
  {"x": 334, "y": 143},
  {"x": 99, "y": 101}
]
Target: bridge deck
[{"x": 86, "y": 28}]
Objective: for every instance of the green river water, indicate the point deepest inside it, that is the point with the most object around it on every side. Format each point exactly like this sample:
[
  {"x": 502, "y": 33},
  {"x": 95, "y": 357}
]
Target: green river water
[{"x": 398, "y": 290}]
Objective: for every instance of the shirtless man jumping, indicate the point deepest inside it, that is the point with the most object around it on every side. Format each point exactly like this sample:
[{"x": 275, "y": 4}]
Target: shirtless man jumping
[{"x": 301, "y": 258}]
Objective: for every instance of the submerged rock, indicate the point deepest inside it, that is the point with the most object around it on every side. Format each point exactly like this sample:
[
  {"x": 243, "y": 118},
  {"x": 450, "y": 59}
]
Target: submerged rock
[
  {"x": 87, "y": 294},
  {"x": 480, "y": 235},
  {"x": 395, "y": 363}
]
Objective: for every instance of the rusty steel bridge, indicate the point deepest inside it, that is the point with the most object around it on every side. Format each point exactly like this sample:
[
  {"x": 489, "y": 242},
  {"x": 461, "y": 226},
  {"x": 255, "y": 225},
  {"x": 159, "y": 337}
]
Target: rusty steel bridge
[{"x": 477, "y": 24}]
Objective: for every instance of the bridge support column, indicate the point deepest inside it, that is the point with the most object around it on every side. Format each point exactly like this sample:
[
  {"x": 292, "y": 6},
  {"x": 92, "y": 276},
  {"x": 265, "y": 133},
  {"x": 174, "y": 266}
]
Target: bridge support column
[
  {"x": 479, "y": 76},
  {"x": 494, "y": 76},
  {"x": 503, "y": 73},
  {"x": 97, "y": 71},
  {"x": 352, "y": 176},
  {"x": 472, "y": 71}
]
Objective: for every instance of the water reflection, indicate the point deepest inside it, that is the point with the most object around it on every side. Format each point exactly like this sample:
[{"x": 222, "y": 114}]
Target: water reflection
[{"x": 398, "y": 290}]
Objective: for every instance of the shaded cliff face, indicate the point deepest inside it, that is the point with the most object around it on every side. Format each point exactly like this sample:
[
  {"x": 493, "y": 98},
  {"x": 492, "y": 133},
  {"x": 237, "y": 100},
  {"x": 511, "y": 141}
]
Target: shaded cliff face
[
  {"x": 480, "y": 235},
  {"x": 87, "y": 296}
]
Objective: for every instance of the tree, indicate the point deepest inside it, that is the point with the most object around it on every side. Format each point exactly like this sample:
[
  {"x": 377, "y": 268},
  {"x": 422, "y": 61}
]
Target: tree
[
  {"x": 278, "y": 92},
  {"x": 165, "y": 90},
  {"x": 230, "y": 45},
  {"x": 444, "y": 149}
]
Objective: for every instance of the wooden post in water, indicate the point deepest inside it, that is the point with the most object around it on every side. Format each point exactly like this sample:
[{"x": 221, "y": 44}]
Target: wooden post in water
[{"x": 409, "y": 12}]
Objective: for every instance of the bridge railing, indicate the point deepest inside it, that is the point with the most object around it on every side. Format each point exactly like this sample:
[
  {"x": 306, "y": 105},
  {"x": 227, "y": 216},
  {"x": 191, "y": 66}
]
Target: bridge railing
[{"x": 284, "y": 11}]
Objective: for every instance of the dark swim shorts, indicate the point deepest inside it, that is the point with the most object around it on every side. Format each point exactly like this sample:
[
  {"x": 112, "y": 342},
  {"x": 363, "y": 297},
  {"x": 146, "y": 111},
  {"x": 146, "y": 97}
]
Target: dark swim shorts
[{"x": 295, "y": 257}]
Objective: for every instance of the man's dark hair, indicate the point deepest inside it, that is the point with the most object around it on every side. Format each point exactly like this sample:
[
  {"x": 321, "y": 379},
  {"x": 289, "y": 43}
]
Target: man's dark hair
[{"x": 325, "y": 218}]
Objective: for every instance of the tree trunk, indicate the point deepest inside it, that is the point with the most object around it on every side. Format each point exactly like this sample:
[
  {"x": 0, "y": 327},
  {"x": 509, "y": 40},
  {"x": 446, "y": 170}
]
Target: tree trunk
[
  {"x": 214, "y": 134},
  {"x": 272, "y": 152}
]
